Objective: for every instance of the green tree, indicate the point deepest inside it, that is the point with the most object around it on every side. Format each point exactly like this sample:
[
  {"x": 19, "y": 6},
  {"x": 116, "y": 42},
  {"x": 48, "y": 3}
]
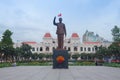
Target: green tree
[
  {"x": 6, "y": 38},
  {"x": 0, "y": 52},
  {"x": 76, "y": 56},
  {"x": 26, "y": 51},
  {"x": 35, "y": 56},
  {"x": 41, "y": 56},
  {"x": 83, "y": 56},
  {"x": 116, "y": 34},
  {"x": 101, "y": 52},
  {"x": 114, "y": 49},
  {"x": 7, "y": 45},
  {"x": 90, "y": 56},
  {"x": 48, "y": 56},
  {"x": 18, "y": 53},
  {"x": 69, "y": 55}
]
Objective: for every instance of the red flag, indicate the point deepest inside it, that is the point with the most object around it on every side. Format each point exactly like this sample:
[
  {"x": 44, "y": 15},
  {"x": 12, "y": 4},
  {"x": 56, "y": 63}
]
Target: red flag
[{"x": 59, "y": 15}]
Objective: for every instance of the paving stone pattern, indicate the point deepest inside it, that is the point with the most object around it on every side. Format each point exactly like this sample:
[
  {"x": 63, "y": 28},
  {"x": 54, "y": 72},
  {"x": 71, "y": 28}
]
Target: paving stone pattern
[{"x": 47, "y": 73}]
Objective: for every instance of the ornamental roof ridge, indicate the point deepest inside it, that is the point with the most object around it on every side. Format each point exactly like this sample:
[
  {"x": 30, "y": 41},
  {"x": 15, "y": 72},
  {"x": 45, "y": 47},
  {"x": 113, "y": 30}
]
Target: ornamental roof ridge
[
  {"x": 47, "y": 35},
  {"x": 75, "y": 35}
]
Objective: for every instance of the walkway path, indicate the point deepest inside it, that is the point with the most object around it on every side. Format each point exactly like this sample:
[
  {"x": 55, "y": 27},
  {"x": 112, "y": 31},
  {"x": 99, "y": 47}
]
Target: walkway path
[{"x": 47, "y": 73}]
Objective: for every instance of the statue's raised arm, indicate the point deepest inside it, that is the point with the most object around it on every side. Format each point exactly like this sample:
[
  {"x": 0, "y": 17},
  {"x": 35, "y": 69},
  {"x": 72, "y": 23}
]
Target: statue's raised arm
[{"x": 54, "y": 21}]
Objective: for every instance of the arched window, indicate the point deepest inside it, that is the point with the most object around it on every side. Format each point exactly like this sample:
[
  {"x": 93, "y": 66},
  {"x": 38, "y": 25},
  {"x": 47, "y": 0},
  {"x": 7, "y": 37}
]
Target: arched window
[
  {"x": 47, "y": 48},
  {"x": 37, "y": 49},
  {"x": 69, "y": 49},
  {"x": 93, "y": 49},
  {"x": 84, "y": 48},
  {"x": 96, "y": 48},
  {"x": 68, "y": 41},
  {"x": 81, "y": 48},
  {"x": 41, "y": 49},
  {"x": 53, "y": 41},
  {"x": 33, "y": 49},
  {"x": 89, "y": 49},
  {"x": 53, "y": 48},
  {"x": 75, "y": 48}
]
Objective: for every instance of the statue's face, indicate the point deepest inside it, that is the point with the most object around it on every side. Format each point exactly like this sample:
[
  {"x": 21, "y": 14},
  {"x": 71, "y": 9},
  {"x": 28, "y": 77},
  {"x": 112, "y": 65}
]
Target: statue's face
[{"x": 60, "y": 19}]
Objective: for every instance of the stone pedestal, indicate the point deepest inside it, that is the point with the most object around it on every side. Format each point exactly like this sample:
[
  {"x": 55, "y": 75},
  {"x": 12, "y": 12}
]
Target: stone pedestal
[{"x": 60, "y": 59}]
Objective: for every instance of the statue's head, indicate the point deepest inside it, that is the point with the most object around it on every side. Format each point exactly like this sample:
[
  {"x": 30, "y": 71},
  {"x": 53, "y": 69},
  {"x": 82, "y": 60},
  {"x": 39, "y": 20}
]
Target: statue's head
[{"x": 60, "y": 20}]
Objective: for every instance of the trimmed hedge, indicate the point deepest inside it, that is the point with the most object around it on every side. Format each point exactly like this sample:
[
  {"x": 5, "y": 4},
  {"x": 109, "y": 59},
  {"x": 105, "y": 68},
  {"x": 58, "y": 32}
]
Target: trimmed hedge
[
  {"x": 5, "y": 64},
  {"x": 49, "y": 63},
  {"x": 112, "y": 64}
]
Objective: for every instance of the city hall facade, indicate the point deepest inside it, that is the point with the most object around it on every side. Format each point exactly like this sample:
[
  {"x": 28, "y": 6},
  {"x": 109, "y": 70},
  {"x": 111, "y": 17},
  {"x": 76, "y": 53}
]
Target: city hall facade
[{"x": 89, "y": 43}]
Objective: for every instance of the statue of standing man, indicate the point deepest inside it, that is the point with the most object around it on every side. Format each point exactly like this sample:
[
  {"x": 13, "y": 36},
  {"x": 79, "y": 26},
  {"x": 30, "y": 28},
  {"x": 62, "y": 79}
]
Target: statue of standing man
[{"x": 61, "y": 31}]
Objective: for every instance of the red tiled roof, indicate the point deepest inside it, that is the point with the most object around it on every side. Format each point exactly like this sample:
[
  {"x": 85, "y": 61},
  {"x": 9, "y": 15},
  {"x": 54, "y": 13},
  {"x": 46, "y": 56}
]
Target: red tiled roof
[
  {"x": 91, "y": 42},
  {"x": 75, "y": 35},
  {"x": 29, "y": 42},
  {"x": 47, "y": 35}
]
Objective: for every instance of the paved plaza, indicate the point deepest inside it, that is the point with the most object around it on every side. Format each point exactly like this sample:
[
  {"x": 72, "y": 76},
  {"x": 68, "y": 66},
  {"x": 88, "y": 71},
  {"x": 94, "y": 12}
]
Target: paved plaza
[{"x": 47, "y": 73}]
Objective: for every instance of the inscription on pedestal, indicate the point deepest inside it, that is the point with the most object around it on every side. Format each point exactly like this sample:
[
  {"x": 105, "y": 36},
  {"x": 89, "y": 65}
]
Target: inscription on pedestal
[{"x": 60, "y": 59}]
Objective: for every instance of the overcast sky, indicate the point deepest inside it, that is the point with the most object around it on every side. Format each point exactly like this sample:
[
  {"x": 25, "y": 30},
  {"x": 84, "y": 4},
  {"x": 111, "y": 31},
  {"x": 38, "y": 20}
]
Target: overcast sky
[{"x": 29, "y": 20}]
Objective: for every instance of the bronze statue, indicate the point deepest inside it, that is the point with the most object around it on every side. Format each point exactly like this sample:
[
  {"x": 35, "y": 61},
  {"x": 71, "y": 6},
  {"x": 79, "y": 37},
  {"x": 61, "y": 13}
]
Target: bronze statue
[{"x": 61, "y": 31}]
